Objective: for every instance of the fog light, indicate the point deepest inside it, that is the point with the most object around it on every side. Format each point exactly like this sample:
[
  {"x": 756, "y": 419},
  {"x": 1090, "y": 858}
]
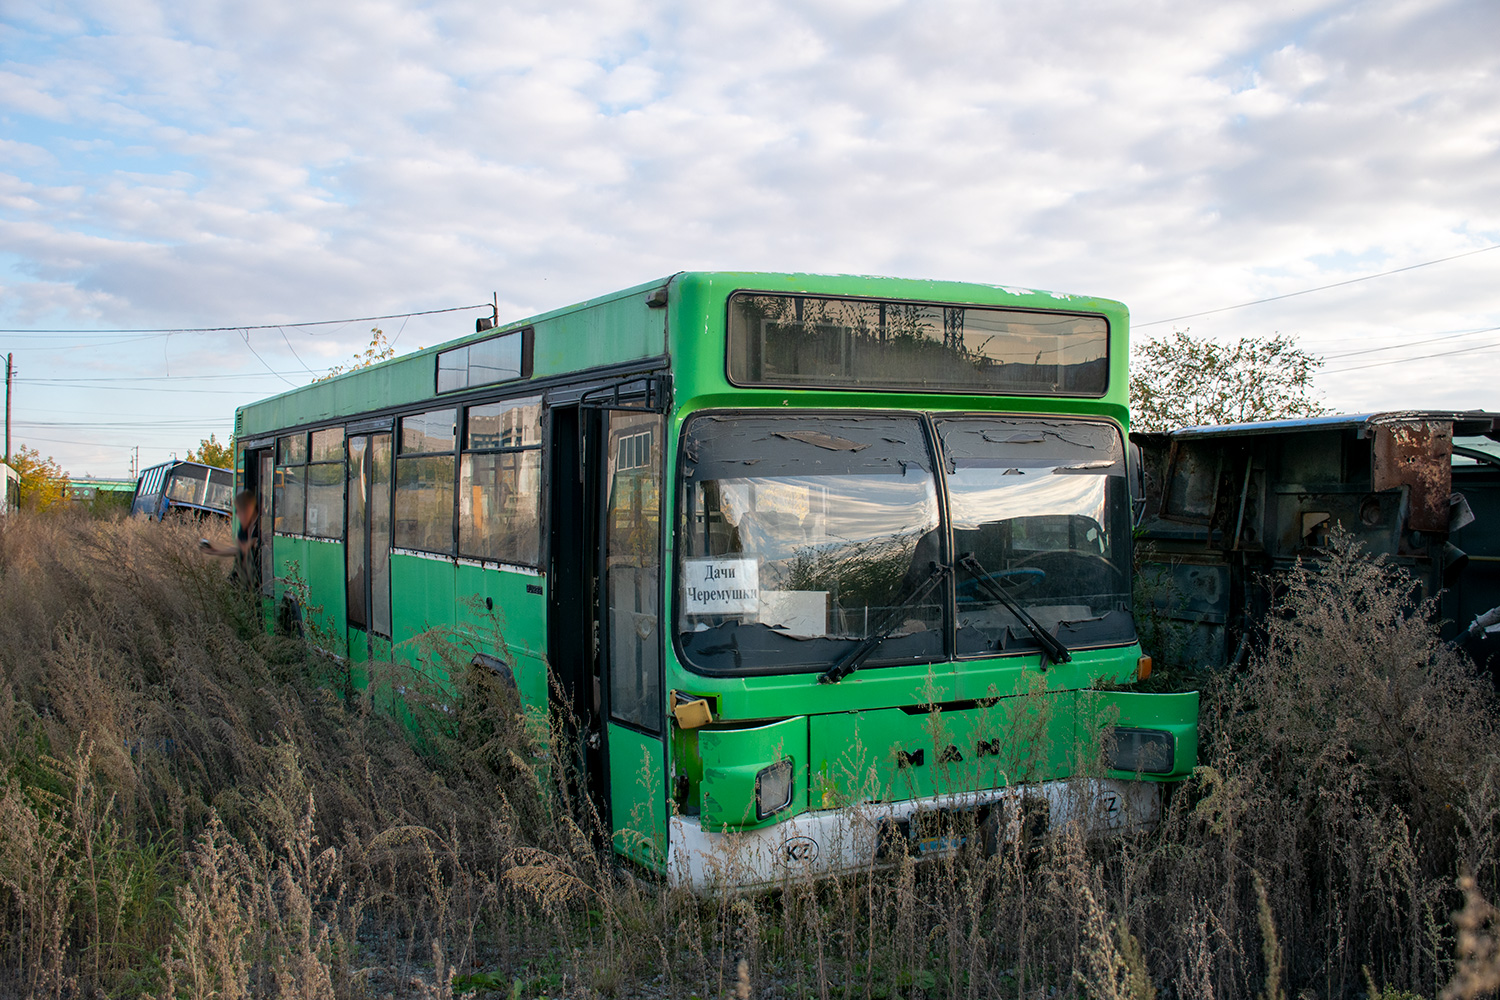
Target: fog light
[
  {"x": 773, "y": 789},
  {"x": 1149, "y": 751}
]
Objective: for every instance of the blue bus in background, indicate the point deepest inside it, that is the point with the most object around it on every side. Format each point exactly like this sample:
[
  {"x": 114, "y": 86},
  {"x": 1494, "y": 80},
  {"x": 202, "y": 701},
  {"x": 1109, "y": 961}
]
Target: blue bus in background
[{"x": 184, "y": 487}]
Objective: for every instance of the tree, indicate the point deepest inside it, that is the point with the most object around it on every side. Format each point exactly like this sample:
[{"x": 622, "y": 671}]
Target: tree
[
  {"x": 378, "y": 351},
  {"x": 43, "y": 484},
  {"x": 1183, "y": 381},
  {"x": 211, "y": 452}
]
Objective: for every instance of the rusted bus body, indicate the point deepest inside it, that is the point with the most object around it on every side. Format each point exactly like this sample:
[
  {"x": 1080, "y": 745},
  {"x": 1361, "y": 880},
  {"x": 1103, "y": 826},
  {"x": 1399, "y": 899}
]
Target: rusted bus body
[{"x": 1221, "y": 511}]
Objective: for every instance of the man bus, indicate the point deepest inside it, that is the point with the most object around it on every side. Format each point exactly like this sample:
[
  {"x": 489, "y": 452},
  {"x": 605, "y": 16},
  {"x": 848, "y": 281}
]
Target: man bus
[{"x": 830, "y": 567}]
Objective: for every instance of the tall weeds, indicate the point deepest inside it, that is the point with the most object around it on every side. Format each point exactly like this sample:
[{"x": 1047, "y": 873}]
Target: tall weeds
[{"x": 190, "y": 807}]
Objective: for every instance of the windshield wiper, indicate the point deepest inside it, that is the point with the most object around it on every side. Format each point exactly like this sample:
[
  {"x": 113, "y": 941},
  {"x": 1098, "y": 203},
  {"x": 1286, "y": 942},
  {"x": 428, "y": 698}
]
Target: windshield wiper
[
  {"x": 1052, "y": 646},
  {"x": 883, "y": 629}
]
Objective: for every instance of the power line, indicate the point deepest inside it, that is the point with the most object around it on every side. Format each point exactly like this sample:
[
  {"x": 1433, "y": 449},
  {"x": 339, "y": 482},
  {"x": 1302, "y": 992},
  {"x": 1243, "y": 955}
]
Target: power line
[
  {"x": 1420, "y": 357},
  {"x": 92, "y": 346},
  {"x": 1412, "y": 343},
  {"x": 165, "y": 330},
  {"x": 246, "y": 338},
  {"x": 1319, "y": 288},
  {"x": 156, "y": 378},
  {"x": 126, "y": 424},
  {"x": 294, "y": 350},
  {"x": 153, "y": 389}
]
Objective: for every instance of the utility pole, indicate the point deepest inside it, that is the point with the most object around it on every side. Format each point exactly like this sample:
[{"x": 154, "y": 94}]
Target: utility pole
[{"x": 10, "y": 372}]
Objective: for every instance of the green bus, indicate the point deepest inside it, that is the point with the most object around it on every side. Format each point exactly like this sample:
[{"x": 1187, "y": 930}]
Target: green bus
[{"x": 829, "y": 568}]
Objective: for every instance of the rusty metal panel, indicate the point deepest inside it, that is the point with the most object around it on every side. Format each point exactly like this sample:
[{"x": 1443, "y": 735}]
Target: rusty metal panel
[{"x": 1416, "y": 454}]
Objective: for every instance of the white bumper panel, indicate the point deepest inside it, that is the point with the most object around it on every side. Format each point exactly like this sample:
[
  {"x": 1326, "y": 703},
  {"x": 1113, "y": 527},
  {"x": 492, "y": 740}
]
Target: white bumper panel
[{"x": 832, "y": 840}]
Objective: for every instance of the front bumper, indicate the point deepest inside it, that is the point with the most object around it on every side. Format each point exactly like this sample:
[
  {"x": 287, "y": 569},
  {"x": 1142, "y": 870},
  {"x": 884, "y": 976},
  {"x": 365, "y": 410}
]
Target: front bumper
[{"x": 826, "y": 841}]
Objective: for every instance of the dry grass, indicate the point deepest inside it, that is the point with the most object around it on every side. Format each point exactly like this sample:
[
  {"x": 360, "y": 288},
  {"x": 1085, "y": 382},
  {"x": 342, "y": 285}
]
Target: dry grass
[{"x": 192, "y": 808}]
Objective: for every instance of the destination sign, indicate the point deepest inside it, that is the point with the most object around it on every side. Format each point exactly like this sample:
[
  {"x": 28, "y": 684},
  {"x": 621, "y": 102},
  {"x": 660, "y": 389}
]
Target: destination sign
[{"x": 721, "y": 586}]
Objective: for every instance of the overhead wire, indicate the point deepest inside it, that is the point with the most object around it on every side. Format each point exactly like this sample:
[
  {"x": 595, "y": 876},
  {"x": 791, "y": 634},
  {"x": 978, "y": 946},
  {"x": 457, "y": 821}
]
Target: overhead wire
[
  {"x": 1423, "y": 340},
  {"x": 246, "y": 336},
  {"x": 167, "y": 330},
  {"x": 1473, "y": 349},
  {"x": 1319, "y": 288},
  {"x": 154, "y": 378}
]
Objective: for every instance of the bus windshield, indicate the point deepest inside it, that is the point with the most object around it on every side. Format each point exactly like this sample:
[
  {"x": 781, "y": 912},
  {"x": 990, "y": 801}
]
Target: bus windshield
[
  {"x": 800, "y": 533},
  {"x": 1041, "y": 506}
]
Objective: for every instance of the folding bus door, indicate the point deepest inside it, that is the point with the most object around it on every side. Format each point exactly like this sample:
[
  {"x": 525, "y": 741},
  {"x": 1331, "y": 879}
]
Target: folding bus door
[
  {"x": 260, "y": 470},
  {"x": 367, "y": 551},
  {"x": 631, "y": 630}
]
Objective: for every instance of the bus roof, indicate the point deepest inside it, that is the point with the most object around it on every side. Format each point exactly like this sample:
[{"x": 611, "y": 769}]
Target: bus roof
[{"x": 609, "y": 329}]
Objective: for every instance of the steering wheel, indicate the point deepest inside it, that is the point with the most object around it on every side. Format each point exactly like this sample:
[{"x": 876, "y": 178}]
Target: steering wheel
[
  {"x": 968, "y": 588},
  {"x": 1075, "y": 562}
]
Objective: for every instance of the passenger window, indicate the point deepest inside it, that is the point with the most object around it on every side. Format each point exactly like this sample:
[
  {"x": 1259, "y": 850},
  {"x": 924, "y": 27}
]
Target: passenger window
[
  {"x": 325, "y": 484},
  {"x": 424, "y": 482},
  {"x": 290, "y": 492},
  {"x": 500, "y": 482}
]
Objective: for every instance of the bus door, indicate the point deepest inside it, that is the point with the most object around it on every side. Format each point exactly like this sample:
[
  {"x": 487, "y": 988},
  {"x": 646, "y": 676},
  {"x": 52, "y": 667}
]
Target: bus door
[
  {"x": 259, "y": 479},
  {"x": 630, "y": 556},
  {"x": 604, "y": 626},
  {"x": 572, "y": 590},
  {"x": 367, "y": 548}
]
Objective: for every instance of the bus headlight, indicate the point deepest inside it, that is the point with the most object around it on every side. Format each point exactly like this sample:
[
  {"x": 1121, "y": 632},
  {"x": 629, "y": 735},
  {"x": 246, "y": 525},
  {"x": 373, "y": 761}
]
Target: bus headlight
[
  {"x": 773, "y": 789},
  {"x": 1148, "y": 751}
]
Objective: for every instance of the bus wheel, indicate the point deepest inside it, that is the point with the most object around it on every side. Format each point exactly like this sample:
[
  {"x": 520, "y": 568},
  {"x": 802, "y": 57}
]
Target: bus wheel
[{"x": 498, "y": 667}]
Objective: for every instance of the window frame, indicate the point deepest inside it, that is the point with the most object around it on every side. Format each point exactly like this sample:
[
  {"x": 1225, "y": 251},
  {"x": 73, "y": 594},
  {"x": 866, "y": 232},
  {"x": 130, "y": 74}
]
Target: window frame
[
  {"x": 528, "y": 349},
  {"x": 679, "y": 486},
  {"x": 278, "y": 489},
  {"x": 539, "y": 447},
  {"x": 401, "y": 454},
  {"x": 343, "y": 466},
  {"x": 729, "y": 377},
  {"x": 933, "y": 442}
]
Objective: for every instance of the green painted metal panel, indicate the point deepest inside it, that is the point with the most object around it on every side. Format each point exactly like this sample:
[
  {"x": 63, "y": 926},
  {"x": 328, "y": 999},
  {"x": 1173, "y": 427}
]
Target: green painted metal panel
[
  {"x": 897, "y": 686},
  {"x": 289, "y": 557},
  {"x": 889, "y": 754},
  {"x": 422, "y": 600},
  {"x": 325, "y": 614},
  {"x": 621, "y": 329},
  {"x": 1176, "y": 713},
  {"x": 732, "y": 758},
  {"x": 513, "y": 626},
  {"x": 515, "y": 613},
  {"x": 637, "y": 795}
]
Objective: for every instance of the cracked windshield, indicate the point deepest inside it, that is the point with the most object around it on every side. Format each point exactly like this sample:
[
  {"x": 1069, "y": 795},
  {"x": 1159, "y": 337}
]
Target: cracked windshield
[{"x": 801, "y": 536}]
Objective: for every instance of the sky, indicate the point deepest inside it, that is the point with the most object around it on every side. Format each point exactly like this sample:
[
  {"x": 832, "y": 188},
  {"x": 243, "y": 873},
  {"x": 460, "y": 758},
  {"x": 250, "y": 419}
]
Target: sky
[{"x": 166, "y": 165}]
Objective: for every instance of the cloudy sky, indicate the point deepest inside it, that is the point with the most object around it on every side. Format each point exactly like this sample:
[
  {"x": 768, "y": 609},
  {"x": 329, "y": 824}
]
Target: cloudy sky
[{"x": 200, "y": 163}]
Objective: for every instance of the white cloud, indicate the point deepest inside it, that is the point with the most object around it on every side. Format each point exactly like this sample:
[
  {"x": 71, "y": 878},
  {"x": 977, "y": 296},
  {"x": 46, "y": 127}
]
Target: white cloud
[{"x": 183, "y": 163}]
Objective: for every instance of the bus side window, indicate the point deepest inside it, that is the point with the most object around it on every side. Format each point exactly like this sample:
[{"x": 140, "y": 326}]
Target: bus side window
[
  {"x": 632, "y": 566},
  {"x": 325, "y": 484},
  {"x": 424, "y": 481},
  {"x": 499, "y": 501},
  {"x": 291, "y": 484}
]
